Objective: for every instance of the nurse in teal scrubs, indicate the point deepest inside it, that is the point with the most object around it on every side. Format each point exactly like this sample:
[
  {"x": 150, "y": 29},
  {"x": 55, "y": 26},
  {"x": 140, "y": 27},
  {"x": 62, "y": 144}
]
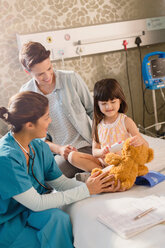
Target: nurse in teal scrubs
[{"x": 29, "y": 209}]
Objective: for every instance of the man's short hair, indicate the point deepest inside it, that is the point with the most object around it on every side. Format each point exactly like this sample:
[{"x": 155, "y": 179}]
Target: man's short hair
[{"x": 32, "y": 53}]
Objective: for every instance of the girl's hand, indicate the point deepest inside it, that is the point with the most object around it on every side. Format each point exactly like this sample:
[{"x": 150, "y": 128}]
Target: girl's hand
[
  {"x": 99, "y": 183},
  {"x": 65, "y": 150},
  {"x": 136, "y": 140},
  {"x": 132, "y": 129},
  {"x": 104, "y": 151}
]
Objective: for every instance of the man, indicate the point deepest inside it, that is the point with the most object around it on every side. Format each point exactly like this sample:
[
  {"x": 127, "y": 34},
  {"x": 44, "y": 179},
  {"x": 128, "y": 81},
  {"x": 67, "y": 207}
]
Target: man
[{"x": 70, "y": 104}]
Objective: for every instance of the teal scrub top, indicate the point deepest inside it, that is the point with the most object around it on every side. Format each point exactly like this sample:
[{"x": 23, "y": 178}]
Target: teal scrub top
[{"x": 15, "y": 178}]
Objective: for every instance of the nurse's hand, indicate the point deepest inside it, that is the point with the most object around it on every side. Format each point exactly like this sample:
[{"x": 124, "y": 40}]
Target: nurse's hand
[
  {"x": 65, "y": 150},
  {"x": 99, "y": 183}
]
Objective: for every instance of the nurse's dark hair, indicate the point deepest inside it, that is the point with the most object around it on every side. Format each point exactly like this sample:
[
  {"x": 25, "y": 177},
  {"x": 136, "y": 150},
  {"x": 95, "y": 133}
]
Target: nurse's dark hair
[
  {"x": 24, "y": 107},
  {"x": 104, "y": 90},
  {"x": 32, "y": 53}
]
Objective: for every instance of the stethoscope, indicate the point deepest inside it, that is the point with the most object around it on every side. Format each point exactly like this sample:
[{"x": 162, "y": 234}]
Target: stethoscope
[{"x": 32, "y": 158}]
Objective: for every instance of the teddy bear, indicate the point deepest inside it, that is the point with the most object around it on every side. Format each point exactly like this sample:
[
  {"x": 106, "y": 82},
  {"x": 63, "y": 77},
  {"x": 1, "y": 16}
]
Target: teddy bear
[{"x": 130, "y": 164}]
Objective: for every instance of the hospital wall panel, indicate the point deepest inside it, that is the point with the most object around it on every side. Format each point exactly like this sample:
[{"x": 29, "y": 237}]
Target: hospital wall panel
[{"x": 26, "y": 17}]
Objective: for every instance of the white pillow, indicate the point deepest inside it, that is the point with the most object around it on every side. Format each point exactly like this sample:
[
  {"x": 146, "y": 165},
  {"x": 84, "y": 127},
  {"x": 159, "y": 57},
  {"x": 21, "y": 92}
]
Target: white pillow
[{"x": 158, "y": 145}]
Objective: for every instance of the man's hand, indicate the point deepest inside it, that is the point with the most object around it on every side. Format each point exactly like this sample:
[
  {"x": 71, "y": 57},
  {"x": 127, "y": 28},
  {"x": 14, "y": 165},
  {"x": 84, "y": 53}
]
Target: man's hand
[{"x": 65, "y": 150}]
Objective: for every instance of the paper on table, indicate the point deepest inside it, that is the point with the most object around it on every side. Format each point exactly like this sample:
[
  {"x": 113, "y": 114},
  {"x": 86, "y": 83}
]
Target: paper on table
[{"x": 122, "y": 222}]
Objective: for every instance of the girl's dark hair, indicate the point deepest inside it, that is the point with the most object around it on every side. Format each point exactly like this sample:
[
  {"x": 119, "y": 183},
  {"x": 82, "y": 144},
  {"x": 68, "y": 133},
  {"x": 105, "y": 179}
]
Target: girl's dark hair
[
  {"x": 24, "y": 107},
  {"x": 104, "y": 90},
  {"x": 33, "y": 53}
]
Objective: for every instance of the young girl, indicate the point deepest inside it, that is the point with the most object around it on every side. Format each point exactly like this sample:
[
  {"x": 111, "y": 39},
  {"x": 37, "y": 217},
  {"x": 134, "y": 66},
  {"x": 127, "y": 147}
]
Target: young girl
[
  {"x": 110, "y": 125},
  {"x": 28, "y": 216}
]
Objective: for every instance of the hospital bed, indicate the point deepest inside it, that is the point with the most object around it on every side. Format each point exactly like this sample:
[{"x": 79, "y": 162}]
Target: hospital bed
[{"x": 89, "y": 233}]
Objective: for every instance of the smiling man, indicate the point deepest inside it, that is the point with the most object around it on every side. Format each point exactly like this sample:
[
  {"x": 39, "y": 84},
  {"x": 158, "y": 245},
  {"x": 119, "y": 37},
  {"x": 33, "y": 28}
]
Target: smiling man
[{"x": 70, "y": 103}]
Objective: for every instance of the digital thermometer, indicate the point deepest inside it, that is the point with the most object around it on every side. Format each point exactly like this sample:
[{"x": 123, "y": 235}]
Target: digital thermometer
[{"x": 116, "y": 147}]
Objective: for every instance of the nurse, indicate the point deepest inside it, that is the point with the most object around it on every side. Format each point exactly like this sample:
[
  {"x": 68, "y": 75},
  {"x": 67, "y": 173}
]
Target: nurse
[{"x": 29, "y": 214}]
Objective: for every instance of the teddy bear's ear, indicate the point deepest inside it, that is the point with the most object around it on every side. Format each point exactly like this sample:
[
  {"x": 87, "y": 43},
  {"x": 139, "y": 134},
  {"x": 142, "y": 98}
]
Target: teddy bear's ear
[{"x": 150, "y": 155}]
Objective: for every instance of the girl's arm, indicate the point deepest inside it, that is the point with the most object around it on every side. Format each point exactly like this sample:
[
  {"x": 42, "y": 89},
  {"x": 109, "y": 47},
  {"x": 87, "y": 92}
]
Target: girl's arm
[
  {"x": 132, "y": 129},
  {"x": 97, "y": 151}
]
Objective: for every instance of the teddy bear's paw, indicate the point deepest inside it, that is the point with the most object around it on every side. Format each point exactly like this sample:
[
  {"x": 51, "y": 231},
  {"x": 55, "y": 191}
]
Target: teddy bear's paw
[
  {"x": 142, "y": 170},
  {"x": 96, "y": 170}
]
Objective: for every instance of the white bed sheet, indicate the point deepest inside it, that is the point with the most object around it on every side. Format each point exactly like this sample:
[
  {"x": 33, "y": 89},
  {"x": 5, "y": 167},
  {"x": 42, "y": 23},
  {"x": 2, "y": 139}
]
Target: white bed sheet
[{"x": 89, "y": 233}]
